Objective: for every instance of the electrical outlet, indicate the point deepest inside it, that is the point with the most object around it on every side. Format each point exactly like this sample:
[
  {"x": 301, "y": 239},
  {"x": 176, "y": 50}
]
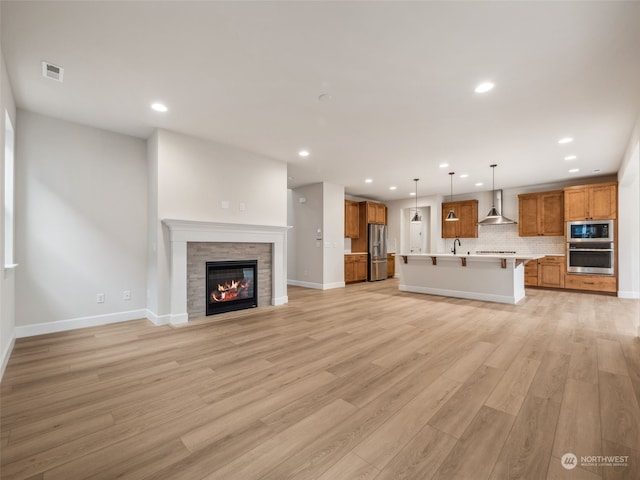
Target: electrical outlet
[
  {"x": 126, "y": 295},
  {"x": 100, "y": 298}
]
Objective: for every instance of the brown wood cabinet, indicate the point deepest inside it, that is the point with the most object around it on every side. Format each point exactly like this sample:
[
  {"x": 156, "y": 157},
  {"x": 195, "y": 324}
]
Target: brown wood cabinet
[
  {"x": 355, "y": 268},
  {"x": 467, "y": 225},
  {"x": 531, "y": 274},
  {"x": 391, "y": 265},
  {"x": 551, "y": 272},
  {"x": 596, "y": 283},
  {"x": 376, "y": 213},
  {"x": 591, "y": 202},
  {"x": 351, "y": 219},
  {"x": 368, "y": 212},
  {"x": 541, "y": 214}
]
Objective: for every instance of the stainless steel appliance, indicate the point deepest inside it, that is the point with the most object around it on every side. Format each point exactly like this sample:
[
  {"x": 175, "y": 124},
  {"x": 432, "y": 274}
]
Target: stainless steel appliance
[
  {"x": 377, "y": 238},
  {"x": 590, "y": 257},
  {"x": 590, "y": 247},
  {"x": 590, "y": 231}
]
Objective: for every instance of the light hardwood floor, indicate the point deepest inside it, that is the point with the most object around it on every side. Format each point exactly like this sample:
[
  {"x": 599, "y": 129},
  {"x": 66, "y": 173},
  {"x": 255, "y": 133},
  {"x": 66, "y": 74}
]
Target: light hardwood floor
[{"x": 362, "y": 383}]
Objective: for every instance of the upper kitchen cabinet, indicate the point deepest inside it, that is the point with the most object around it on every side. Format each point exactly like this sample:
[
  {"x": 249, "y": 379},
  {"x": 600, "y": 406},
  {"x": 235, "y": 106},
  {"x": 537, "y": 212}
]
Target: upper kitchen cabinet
[
  {"x": 351, "y": 219},
  {"x": 591, "y": 202},
  {"x": 467, "y": 225},
  {"x": 376, "y": 213},
  {"x": 541, "y": 213}
]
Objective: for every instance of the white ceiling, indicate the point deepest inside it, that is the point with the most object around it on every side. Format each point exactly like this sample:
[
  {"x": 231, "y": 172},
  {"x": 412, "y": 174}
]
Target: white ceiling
[{"x": 400, "y": 75}]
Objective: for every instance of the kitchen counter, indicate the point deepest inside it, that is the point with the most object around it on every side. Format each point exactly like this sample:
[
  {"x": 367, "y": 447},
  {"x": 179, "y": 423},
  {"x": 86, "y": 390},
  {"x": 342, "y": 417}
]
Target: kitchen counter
[{"x": 489, "y": 277}]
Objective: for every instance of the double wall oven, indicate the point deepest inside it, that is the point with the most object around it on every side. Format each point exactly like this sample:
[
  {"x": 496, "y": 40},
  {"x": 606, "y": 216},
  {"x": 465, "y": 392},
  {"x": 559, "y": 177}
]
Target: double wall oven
[{"x": 590, "y": 247}]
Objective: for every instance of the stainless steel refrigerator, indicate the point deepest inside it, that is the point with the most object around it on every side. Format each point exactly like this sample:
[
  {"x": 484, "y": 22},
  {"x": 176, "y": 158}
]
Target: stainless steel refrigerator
[{"x": 377, "y": 238}]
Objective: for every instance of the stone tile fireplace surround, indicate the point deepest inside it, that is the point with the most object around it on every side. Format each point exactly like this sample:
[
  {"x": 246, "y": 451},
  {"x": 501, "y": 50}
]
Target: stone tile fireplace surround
[{"x": 190, "y": 240}]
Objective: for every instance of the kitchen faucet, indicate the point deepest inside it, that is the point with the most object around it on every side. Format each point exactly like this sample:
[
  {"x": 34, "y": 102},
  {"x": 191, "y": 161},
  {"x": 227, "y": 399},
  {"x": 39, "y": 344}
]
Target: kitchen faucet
[{"x": 454, "y": 245}]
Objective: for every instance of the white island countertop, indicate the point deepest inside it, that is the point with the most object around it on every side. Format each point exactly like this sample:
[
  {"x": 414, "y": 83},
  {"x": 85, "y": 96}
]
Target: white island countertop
[{"x": 490, "y": 277}]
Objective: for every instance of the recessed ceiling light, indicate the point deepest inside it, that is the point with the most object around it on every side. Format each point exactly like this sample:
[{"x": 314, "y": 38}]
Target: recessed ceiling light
[
  {"x": 392, "y": 187},
  {"x": 368, "y": 180},
  {"x": 484, "y": 87},
  {"x": 464, "y": 175},
  {"x": 303, "y": 153},
  {"x": 443, "y": 165},
  {"x": 159, "y": 107},
  {"x": 479, "y": 184},
  {"x": 570, "y": 157},
  {"x": 564, "y": 140},
  {"x": 325, "y": 97},
  {"x": 412, "y": 193},
  {"x": 574, "y": 170}
]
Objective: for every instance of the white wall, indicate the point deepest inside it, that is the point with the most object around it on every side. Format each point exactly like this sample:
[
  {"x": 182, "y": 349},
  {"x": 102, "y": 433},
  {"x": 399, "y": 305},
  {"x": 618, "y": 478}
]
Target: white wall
[
  {"x": 398, "y": 221},
  {"x": 194, "y": 178},
  {"x": 7, "y": 280},
  {"x": 629, "y": 219},
  {"x": 307, "y": 219},
  {"x": 81, "y": 208},
  {"x": 333, "y": 235},
  {"x": 319, "y": 262}
]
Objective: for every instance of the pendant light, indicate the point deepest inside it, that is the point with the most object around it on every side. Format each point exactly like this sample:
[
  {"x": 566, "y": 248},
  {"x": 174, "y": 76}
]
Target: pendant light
[
  {"x": 452, "y": 215},
  {"x": 416, "y": 218},
  {"x": 493, "y": 213}
]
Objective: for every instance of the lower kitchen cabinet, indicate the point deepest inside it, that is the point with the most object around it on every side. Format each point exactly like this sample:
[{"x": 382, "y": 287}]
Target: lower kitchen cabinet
[
  {"x": 545, "y": 272},
  {"x": 551, "y": 272},
  {"x": 391, "y": 265},
  {"x": 595, "y": 283},
  {"x": 355, "y": 268},
  {"x": 531, "y": 274}
]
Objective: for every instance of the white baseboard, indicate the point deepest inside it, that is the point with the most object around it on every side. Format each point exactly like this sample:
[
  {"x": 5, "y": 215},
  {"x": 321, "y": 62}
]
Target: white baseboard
[
  {"x": 179, "y": 319},
  {"x": 298, "y": 283},
  {"x": 280, "y": 300},
  {"x": 75, "y": 323},
  {"x": 6, "y": 354},
  {"x": 632, "y": 295},
  {"x": 157, "y": 320},
  {"x": 485, "y": 297},
  {"x": 317, "y": 286}
]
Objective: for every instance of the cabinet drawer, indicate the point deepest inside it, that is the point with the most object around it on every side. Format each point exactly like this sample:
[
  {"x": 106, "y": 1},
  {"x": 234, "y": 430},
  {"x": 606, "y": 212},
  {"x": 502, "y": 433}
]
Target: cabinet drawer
[
  {"x": 552, "y": 260},
  {"x": 596, "y": 283}
]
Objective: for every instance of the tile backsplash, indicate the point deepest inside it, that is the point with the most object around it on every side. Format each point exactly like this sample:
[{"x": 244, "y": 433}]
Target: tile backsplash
[{"x": 505, "y": 237}]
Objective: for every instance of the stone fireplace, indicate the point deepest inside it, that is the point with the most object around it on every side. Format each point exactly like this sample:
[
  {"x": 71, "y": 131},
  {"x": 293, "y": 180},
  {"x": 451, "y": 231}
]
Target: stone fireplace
[
  {"x": 193, "y": 244},
  {"x": 200, "y": 254}
]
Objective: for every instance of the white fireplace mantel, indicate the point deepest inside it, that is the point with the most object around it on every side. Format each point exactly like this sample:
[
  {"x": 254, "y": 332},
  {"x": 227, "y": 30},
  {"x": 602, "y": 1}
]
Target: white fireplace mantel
[{"x": 183, "y": 231}]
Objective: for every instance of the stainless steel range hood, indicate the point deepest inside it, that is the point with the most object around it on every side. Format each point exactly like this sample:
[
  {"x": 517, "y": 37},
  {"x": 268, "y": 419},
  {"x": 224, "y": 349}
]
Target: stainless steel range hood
[{"x": 495, "y": 217}]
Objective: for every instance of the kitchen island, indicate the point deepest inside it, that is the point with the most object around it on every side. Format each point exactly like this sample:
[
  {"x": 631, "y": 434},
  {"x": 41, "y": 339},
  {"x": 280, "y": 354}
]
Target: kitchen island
[{"x": 493, "y": 278}]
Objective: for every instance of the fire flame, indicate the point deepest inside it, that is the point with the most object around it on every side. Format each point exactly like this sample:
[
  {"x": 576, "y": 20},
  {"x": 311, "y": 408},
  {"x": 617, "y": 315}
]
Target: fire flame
[{"x": 231, "y": 291}]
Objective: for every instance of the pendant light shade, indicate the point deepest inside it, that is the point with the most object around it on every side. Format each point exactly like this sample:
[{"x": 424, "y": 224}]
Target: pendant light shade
[
  {"x": 452, "y": 215},
  {"x": 416, "y": 217}
]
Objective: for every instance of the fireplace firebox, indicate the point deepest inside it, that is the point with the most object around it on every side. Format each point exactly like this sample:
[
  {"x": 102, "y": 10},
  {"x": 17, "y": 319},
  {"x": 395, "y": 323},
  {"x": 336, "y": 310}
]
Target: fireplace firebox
[{"x": 231, "y": 285}]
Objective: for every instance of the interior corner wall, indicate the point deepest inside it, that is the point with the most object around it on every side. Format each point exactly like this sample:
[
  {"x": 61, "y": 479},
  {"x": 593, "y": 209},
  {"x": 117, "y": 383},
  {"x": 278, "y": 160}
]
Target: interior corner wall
[
  {"x": 291, "y": 238},
  {"x": 333, "y": 235},
  {"x": 199, "y": 180},
  {"x": 7, "y": 281},
  {"x": 81, "y": 225},
  {"x": 307, "y": 205},
  {"x": 629, "y": 220}
]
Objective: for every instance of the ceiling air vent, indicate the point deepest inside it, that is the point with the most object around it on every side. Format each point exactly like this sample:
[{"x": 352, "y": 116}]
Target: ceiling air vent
[{"x": 54, "y": 72}]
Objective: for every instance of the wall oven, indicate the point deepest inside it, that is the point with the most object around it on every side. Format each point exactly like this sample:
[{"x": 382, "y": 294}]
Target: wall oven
[{"x": 590, "y": 258}]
